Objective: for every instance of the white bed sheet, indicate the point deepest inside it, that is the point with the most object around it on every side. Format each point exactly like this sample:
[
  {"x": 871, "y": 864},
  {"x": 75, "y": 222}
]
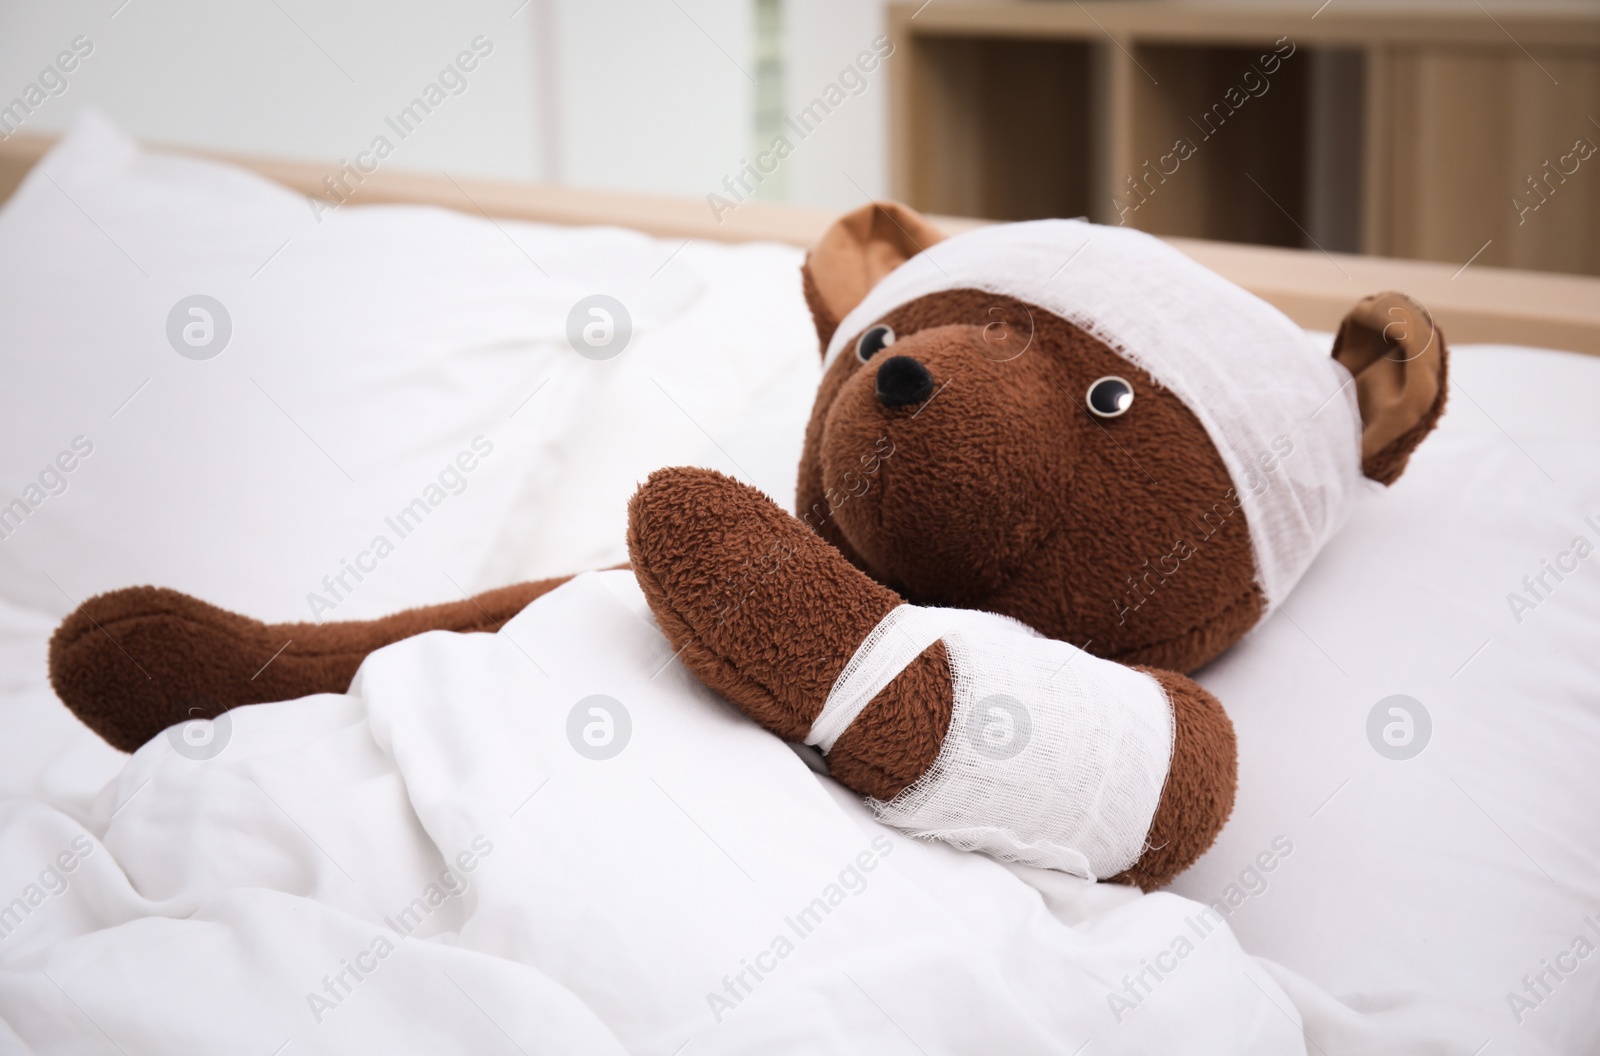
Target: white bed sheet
[{"x": 1474, "y": 866}]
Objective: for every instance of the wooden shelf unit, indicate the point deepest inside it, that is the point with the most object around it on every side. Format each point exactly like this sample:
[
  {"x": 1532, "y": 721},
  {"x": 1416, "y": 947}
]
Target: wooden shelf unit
[{"x": 1431, "y": 131}]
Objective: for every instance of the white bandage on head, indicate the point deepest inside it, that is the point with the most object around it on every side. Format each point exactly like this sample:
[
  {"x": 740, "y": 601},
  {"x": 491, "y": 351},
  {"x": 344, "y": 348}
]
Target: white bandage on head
[
  {"x": 1053, "y": 757},
  {"x": 1281, "y": 412}
]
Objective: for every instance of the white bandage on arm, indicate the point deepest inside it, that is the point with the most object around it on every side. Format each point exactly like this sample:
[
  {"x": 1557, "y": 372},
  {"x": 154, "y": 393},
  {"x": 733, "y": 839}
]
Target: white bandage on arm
[{"x": 1053, "y": 758}]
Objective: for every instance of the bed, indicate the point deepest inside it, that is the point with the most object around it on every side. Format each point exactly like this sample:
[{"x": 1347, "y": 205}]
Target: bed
[{"x": 424, "y": 864}]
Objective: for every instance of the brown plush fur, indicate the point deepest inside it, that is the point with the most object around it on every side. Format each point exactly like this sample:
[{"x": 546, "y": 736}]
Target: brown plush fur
[
  {"x": 859, "y": 250},
  {"x": 999, "y": 492},
  {"x": 1201, "y": 784},
  {"x": 1004, "y": 493},
  {"x": 1396, "y": 353},
  {"x": 825, "y": 323},
  {"x": 767, "y": 614},
  {"x": 133, "y": 662}
]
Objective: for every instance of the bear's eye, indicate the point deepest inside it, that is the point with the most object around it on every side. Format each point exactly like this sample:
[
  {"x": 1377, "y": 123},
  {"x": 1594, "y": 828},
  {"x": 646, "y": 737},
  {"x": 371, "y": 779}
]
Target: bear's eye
[
  {"x": 875, "y": 340},
  {"x": 1109, "y": 397}
]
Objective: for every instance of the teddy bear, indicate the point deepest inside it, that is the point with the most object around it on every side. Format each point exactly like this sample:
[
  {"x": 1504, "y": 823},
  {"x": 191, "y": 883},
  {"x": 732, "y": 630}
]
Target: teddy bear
[{"x": 1052, "y": 467}]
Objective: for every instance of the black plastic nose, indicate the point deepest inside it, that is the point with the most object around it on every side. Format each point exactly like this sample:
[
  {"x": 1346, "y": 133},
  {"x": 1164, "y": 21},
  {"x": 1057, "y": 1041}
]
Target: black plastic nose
[{"x": 903, "y": 381}]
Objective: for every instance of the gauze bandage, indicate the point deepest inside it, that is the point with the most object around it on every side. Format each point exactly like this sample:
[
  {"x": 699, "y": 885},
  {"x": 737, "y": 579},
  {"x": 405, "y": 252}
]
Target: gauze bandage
[
  {"x": 1053, "y": 758},
  {"x": 1281, "y": 412}
]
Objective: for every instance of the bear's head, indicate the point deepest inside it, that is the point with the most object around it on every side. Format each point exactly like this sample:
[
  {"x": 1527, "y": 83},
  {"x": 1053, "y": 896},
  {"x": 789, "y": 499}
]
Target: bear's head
[{"x": 1079, "y": 427}]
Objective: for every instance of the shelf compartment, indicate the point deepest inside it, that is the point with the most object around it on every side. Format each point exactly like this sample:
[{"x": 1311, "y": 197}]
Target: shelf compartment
[{"x": 1002, "y": 128}]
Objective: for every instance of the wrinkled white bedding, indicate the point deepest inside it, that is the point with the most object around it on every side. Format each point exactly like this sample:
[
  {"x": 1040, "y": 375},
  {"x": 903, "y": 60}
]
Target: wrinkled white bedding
[{"x": 427, "y": 864}]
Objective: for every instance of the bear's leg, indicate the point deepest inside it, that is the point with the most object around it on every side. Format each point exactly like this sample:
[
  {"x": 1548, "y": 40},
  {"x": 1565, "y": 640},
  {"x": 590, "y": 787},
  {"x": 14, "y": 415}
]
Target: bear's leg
[
  {"x": 768, "y": 614},
  {"x": 133, "y": 662}
]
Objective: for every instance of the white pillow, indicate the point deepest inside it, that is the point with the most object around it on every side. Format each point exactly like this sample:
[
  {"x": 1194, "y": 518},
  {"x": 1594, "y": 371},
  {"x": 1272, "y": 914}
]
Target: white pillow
[
  {"x": 376, "y": 353},
  {"x": 367, "y": 353},
  {"x": 1475, "y": 863}
]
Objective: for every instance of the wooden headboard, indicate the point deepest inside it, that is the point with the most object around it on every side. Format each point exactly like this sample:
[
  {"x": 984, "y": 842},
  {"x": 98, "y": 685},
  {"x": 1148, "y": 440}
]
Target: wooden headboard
[{"x": 1470, "y": 303}]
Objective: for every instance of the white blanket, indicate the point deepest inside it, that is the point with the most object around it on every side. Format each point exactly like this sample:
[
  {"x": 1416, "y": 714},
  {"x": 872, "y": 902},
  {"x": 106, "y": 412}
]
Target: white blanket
[
  {"x": 429, "y": 863},
  {"x": 210, "y": 904}
]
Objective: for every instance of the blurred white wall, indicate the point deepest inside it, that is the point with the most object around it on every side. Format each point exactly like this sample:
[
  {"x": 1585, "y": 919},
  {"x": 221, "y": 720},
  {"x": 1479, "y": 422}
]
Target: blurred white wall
[
  {"x": 649, "y": 95},
  {"x": 851, "y": 147}
]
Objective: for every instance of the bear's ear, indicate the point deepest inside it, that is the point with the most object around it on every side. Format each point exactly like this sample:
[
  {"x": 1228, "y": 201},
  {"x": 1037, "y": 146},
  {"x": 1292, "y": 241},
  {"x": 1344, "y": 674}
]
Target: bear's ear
[
  {"x": 859, "y": 249},
  {"x": 1397, "y": 355}
]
